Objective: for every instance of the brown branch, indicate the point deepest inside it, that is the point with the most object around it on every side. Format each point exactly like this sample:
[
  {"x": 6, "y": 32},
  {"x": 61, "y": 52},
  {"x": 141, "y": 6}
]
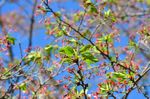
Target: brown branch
[
  {"x": 82, "y": 19},
  {"x": 32, "y": 25},
  {"x": 84, "y": 85},
  {"x": 145, "y": 71},
  {"x": 20, "y": 48}
]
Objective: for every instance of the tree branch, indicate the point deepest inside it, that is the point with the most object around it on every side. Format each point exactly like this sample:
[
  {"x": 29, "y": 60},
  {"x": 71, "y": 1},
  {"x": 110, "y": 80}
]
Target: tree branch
[{"x": 31, "y": 25}]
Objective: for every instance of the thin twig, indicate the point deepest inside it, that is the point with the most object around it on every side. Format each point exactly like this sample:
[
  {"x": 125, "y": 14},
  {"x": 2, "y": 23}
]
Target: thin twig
[
  {"x": 31, "y": 25},
  {"x": 145, "y": 71}
]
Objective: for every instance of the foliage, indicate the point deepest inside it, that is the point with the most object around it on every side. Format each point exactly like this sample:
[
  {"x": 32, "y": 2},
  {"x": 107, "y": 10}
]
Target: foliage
[{"x": 100, "y": 50}]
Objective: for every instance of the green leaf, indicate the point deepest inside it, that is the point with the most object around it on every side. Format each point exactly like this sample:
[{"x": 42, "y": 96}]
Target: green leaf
[
  {"x": 120, "y": 75},
  {"x": 107, "y": 37},
  {"x": 86, "y": 32},
  {"x": 72, "y": 40},
  {"x": 93, "y": 9},
  {"x": 10, "y": 39},
  {"x": 51, "y": 68},
  {"x": 105, "y": 87},
  {"x": 60, "y": 33},
  {"x": 66, "y": 60},
  {"x": 67, "y": 50},
  {"x": 33, "y": 56},
  {"x": 95, "y": 49},
  {"x": 7, "y": 72},
  {"x": 104, "y": 48},
  {"x": 76, "y": 17},
  {"x": 132, "y": 44},
  {"x": 48, "y": 26},
  {"x": 107, "y": 13},
  {"x": 89, "y": 58},
  {"x": 81, "y": 92},
  {"x": 23, "y": 87},
  {"x": 113, "y": 59},
  {"x": 48, "y": 49},
  {"x": 85, "y": 48},
  {"x": 57, "y": 14}
]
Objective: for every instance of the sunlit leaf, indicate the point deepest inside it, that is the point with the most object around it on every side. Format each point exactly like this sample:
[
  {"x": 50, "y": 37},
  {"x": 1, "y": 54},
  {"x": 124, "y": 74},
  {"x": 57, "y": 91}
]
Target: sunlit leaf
[
  {"x": 85, "y": 48},
  {"x": 23, "y": 87},
  {"x": 10, "y": 39},
  {"x": 67, "y": 50},
  {"x": 89, "y": 58}
]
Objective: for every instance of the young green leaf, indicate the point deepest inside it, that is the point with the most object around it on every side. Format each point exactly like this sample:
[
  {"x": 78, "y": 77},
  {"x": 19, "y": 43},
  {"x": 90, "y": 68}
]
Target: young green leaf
[
  {"x": 85, "y": 48},
  {"x": 89, "y": 58},
  {"x": 10, "y": 39},
  {"x": 23, "y": 87},
  {"x": 67, "y": 50}
]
